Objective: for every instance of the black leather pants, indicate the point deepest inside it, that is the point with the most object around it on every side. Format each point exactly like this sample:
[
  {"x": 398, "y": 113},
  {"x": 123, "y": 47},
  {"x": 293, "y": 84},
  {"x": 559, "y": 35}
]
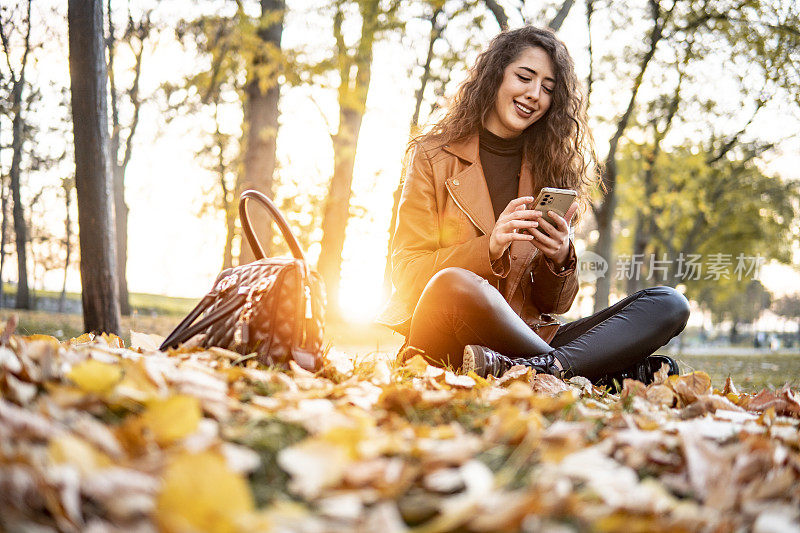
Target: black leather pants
[{"x": 459, "y": 307}]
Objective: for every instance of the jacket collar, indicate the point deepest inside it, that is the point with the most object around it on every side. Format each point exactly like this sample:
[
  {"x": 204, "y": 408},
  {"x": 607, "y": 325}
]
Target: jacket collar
[{"x": 469, "y": 188}]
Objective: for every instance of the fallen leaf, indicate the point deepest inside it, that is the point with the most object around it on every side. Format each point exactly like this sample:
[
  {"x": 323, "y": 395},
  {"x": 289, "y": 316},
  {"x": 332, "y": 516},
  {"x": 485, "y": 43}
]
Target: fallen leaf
[
  {"x": 689, "y": 387},
  {"x": 145, "y": 342},
  {"x": 314, "y": 465},
  {"x": 660, "y": 395},
  {"x": 548, "y": 385},
  {"x": 172, "y": 419},
  {"x": 78, "y": 453},
  {"x": 200, "y": 493},
  {"x": 729, "y": 387},
  {"x": 416, "y": 365},
  {"x": 784, "y": 401},
  {"x": 94, "y": 376}
]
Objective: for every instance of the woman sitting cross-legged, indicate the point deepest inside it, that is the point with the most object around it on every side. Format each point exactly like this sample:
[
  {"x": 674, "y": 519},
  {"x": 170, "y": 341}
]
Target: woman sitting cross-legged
[{"x": 475, "y": 269}]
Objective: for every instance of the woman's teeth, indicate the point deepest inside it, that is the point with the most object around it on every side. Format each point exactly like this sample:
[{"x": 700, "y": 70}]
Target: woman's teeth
[{"x": 524, "y": 109}]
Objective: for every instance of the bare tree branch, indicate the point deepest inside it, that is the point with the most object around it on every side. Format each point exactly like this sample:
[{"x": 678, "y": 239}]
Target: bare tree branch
[
  {"x": 563, "y": 11},
  {"x": 498, "y": 12}
]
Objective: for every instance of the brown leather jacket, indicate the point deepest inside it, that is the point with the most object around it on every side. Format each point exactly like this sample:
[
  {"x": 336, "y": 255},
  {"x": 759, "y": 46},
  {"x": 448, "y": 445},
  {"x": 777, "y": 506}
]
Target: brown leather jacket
[{"x": 445, "y": 218}]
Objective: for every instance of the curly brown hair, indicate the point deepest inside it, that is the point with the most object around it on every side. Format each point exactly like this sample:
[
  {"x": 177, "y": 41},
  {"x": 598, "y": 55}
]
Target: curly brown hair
[{"x": 559, "y": 146}]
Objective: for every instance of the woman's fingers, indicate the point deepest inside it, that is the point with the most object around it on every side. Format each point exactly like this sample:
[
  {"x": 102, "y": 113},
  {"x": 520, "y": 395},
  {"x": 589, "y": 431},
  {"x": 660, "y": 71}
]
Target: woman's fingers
[
  {"x": 515, "y": 204},
  {"x": 522, "y": 214},
  {"x": 543, "y": 241},
  {"x": 570, "y": 213},
  {"x": 520, "y": 224},
  {"x": 562, "y": 223},
  {"x": 549, "y": 228}
]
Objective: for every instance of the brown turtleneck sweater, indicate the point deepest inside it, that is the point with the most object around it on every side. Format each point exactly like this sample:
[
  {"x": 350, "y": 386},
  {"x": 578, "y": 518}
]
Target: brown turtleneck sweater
[{"x": 501, "y": 160}]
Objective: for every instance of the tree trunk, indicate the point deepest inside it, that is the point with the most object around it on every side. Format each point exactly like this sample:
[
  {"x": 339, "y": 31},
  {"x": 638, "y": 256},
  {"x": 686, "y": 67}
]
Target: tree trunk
[
  {"x": 118, "y": 166},
  {"x": 121, "y": 222},
  {"x": 23, "y": 300},
  {"x": 436, "y": 32},
  {"x": 337, "y": 205},
  {"x": 92, "y": 166},
  {"x": 62, "y": 300},
  {"x": 605, "y": 212},
  {"x": 3, "y": 225},
  {"x": 230, "y": 233},
  {"x": 261, "y": 124},
  {"x": 355, "y": 71}
]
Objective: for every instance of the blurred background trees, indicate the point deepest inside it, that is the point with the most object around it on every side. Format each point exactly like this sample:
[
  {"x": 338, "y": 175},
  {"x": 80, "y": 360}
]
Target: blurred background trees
[{"x": 692, "y": 103}]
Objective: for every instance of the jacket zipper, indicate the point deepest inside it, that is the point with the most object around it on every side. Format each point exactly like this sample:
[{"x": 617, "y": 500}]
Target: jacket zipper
[{"x": 453, "y": 196}]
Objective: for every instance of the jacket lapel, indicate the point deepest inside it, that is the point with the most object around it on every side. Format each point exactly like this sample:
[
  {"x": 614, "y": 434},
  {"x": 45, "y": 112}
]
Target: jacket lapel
[
  {"x": 471, "y": 194},
  {"x": 468, "y": 188},
  {"x": 522, "y": 250}
]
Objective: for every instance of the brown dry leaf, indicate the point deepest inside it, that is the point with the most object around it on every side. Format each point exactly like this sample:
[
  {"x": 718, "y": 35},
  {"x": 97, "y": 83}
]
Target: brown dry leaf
[
  {"x": 729, "y": 388},
  {"x": 548, "y": 385},
  {"x": 94, "y": 376},
  {"x": 632, "y": 387},
  {"x": 660, "y": 395},
  {"x": 708, "y": 403},
  {"x": 784, "y": 401},
  {"x": 661, "y": 375},
  {"x": 690, "y": 386},
  {"x": 398, "y": 397},
  {"x": 553, "y": 403},
  {"x": 200, "y": 493},
  {"x": 515, "y": 373}
]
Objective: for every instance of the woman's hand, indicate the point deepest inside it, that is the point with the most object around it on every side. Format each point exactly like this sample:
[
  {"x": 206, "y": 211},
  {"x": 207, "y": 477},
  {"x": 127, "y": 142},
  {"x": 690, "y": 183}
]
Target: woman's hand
[
  {"x": 514, "y": 217},
  {"x": 553, "y": 241}
]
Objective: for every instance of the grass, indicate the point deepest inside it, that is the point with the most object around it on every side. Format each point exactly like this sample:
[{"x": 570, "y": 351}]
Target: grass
[
  {"x": 749, "y": 372},
  {"x": 152, "y": 304}
]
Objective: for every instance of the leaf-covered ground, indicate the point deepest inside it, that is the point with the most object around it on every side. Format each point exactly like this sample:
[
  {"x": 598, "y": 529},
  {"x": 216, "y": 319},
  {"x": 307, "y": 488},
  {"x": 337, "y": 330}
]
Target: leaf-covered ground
[{"x": 98, "y": 437}]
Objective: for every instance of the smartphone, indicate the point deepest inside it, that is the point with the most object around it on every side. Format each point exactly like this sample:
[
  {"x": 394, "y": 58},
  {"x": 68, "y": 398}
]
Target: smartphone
[{"x": 552, "y": 199}]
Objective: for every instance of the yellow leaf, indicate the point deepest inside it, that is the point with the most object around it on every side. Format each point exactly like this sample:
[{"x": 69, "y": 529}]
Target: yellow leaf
[
  {"x": 200, "y": 493},
  {"x": 112, "y": 340},
  {"x": 46, "y": 338},
  {"x": 77, "y": 452},
  {"x": 83, "y": 339},
  {"x": 136, "y": 385},
  {"x": 172, "y": 419},
  {"x": 94, "y": 376},
  {"x": 417, "y": 365}
]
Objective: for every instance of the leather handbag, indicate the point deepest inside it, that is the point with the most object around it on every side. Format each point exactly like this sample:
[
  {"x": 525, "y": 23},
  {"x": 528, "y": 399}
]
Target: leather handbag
[{"x": 273, "y": 307}]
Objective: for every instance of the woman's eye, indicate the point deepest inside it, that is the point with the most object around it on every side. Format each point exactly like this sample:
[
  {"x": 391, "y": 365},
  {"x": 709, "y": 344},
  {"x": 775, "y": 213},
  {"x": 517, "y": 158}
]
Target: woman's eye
[
  {"x": 523, "y": 78},
  {"x": 548, "y": 90}
]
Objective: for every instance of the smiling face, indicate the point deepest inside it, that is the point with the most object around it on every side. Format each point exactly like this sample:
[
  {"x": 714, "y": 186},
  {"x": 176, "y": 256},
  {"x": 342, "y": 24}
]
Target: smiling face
[{"x": 524, "y": 95}]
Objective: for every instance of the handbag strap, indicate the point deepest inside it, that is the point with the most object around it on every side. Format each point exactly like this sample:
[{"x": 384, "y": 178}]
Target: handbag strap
[
  {"x": 261, "y": 198},
  {"x": 186, "y": 330}
]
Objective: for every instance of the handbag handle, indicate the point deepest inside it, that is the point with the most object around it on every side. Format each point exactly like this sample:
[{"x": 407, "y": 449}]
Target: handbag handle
[{"x": 262, "y": 199}]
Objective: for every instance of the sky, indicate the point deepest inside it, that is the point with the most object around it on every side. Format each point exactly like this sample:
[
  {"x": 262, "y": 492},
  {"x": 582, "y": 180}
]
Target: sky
[{"x": 176, "y": 250}]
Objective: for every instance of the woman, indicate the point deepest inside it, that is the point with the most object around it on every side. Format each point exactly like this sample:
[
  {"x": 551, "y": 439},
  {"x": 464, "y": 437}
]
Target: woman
[{"x": 472, "y": 289}]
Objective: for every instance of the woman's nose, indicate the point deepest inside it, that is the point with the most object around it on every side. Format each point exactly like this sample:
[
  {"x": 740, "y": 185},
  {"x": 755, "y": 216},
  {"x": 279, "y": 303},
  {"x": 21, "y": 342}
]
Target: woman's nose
[{"x": 533, "y": 91}]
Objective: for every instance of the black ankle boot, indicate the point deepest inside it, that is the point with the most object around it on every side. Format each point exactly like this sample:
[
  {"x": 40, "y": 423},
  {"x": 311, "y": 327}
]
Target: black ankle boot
[
  {"x": 643, "y": 371},
  {"x": 484, "y": 361}
]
